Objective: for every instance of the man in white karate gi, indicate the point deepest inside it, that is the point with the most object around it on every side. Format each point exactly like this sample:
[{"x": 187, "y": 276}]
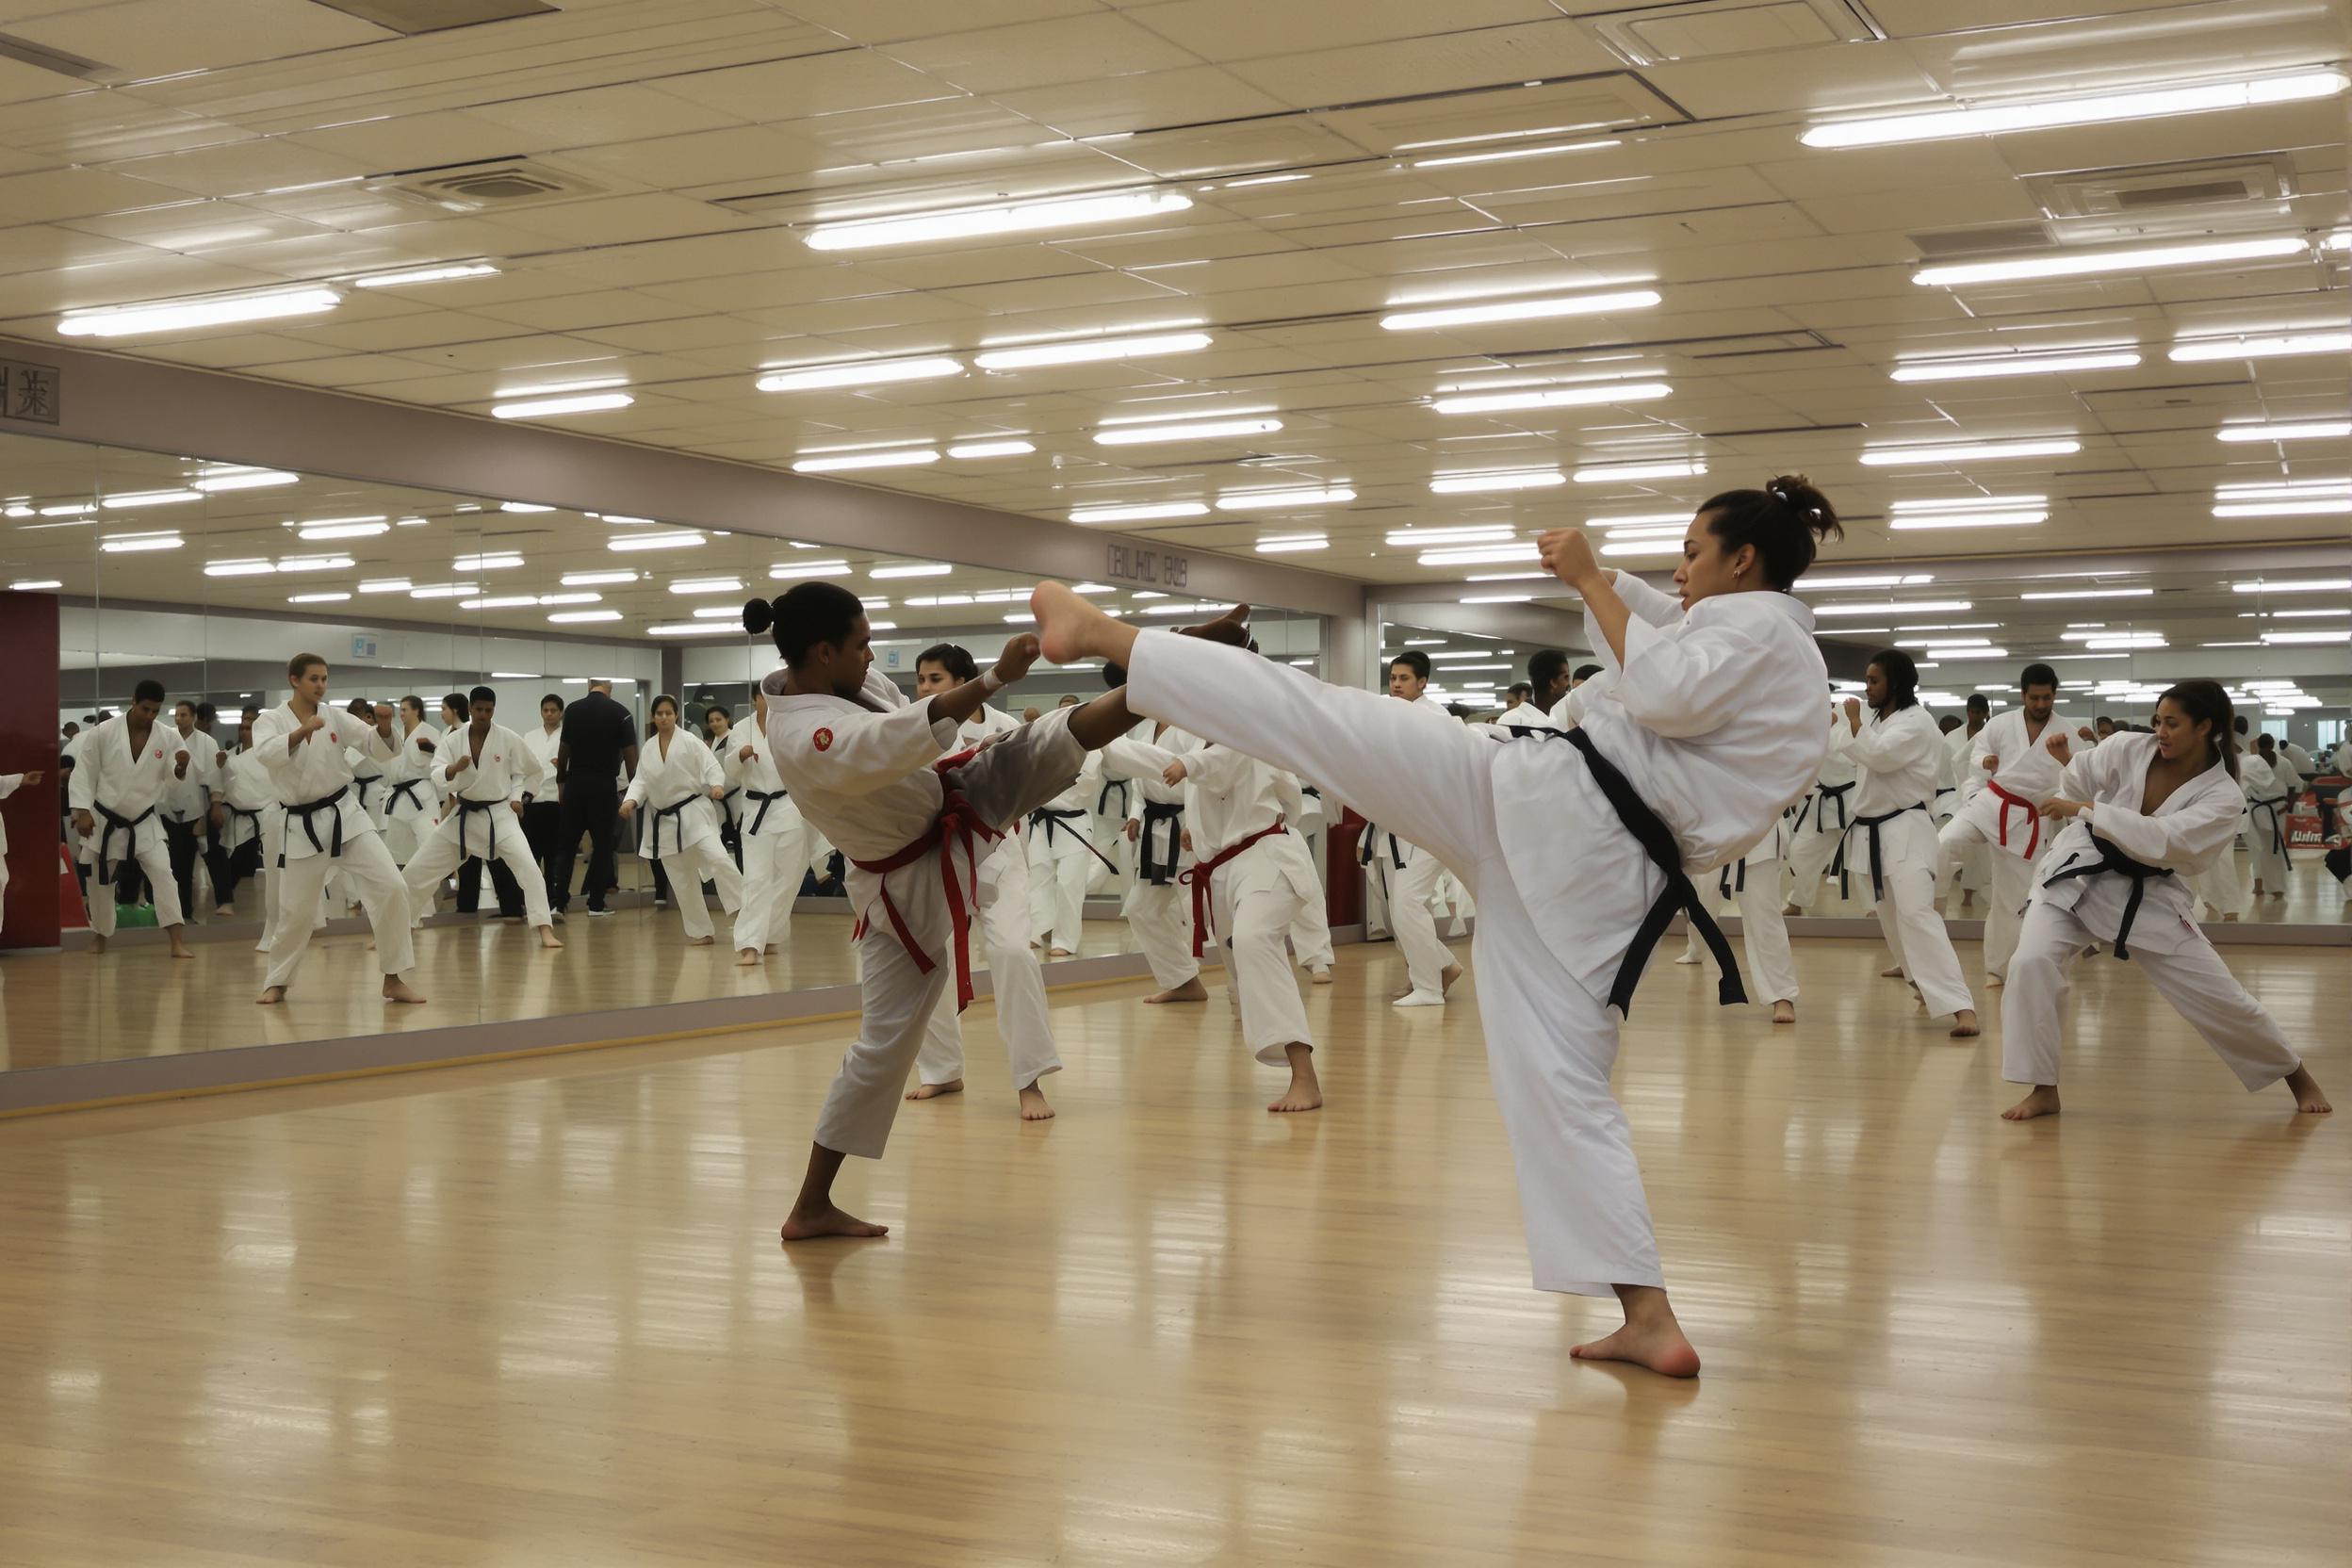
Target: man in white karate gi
[
  {"x": 122, "y": 774},
  {"x": 493, "y": 773}
]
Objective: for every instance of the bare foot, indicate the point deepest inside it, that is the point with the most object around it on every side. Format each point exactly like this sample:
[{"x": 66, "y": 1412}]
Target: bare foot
[
  {"x": 1964, "y": 1024},
  {"x": 1446, "y": 976},
  {"x": 1994, "y": 982},
  {"x": 226, "y": 911},
  {"x": 700, "y": 942},
  {"x": 1783, "y": 1012},
  {"x": 1062, "y": 619},
  {"x": 1894, "y": 974},
  {"x": 548, "y": 938},
  {"x": 933, "y": 1091},
  {"x": 1791, "y": 909},
  {"x": 2307, "y": 1099},
  {"x": 180, "y": 949},
  {"x": 1191, "y": 991},
  {"x": 1061, "y": 952},
  {"x": 2042, "y": 1102},
  {"x": 1032, "y": 1105},
  {"x": 397, "y": 989},
  {"x": 747, "y": 958},
  {"x": 271, "y": 997},
  {"x": 2230, "y": 920},
  {"x": 828, "y": 1221},
  {"x": 1657, "y": 1344},
  {"x": 97, "y": 943},
  {"x": 1320, "y": 977},
  {"x": 1305, "y": 1093}
]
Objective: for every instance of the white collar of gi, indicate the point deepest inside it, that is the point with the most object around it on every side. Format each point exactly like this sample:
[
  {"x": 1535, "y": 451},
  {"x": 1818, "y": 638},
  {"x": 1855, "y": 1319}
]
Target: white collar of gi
[{"x": 1757, "y": 602}]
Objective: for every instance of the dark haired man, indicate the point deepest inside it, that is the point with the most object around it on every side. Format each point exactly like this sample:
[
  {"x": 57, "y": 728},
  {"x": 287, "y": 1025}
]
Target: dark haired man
[
  {"x": 493, "y": 773},
  {"x": 123, "y": 771},
  {"x": 2012, "y": 755},
  {"x": 1406, "y": 877}
]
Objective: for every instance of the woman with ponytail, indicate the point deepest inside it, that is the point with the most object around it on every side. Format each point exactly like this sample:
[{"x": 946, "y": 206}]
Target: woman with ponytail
[
  {"x": 2142, "y": 814},
  {"x": 1704, "y": 721}
]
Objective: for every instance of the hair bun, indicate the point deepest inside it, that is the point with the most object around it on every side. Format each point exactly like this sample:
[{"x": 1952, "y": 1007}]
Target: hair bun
[{"x": 759, "y": 615}]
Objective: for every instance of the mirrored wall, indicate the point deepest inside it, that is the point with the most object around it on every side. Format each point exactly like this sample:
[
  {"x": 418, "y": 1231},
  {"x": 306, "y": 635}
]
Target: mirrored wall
[{"x": 206, "y": 578}]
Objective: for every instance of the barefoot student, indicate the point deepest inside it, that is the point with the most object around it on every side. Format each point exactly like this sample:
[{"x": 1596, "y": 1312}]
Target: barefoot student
[
  {"x": 772, "y": 838},
  {"x": 1158, "y": 908},
  {"x": 1001, "y": 887},
  {"x": 2012, "y": 754},
  {"x": 492, "y": 773},
  {"x": 1892, "y": 844},
  {"x": 306, "y": 746},
  {"x": 1578, "y": 843},
  {"x": 884, "y": 779},
  {"x": 679, "y": 784},
  {"x": 124, "y": 769},
  {"x": 1430, "y": 968},
  {"x": 2140, "y": 815}
]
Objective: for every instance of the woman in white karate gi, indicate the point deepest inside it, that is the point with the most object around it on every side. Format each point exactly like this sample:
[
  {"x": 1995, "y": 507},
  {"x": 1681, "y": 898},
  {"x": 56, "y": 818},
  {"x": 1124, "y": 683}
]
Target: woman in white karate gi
[
  {"x": 1705, "y": 722},
  {"x": 2141, "y": 813},
  {"x": 2225, "y": 885},
  {"x": 1063, "y": 859},
  {"x": 1819, "y": 829},
  {"x": 2272, "y": 787},
  {"x": 678, "y": 784},
  {"x": 1751, "y": 885},
  {"x": 10, "y": 784},
  {"x": 1892, "y": 847},
  {"x": 412, "y": 804},
  {"x": 489, "y": 771},
  {"x": 774, "y": 840},
  {"x": 1159, "y": 906}
]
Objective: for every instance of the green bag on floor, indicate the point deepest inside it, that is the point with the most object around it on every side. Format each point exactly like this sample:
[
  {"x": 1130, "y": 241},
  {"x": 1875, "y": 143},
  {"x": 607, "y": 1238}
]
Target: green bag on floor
[{"x": 139, "y": 916}]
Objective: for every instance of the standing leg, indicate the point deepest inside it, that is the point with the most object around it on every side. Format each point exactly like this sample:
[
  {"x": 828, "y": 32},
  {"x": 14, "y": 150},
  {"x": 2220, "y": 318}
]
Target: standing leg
[
  {"x": 383, "y": 892},
  {"x": 1430, "y": 968},
  {"x": 2040, "y": 972},
  {"x": 940, "y": 1064},
  {"x": 1161, "y": 918},
  {"x": 1915, "y": 928},
  {"x": 1810, "y": 854},
  {"x": 2012, "y": 884},
  {"x": 1042, "y": 887},
  {"x": 301, "y": 881},
  {"x": 683, "y": 872},
  {"x": 717, "y": 867},
  {"x": 1018, "y": 980},
  {"x": 1273, "y": 1019},
  {"x": 1764, "y": 936},
  {"x": 763, "y": 869},
  {"x": 1311, "y": 936},
  {"x": 530, "y": 886},
  {"x": 1070, "y": 902},
  {"x": 427, "y": 869},
  {"x": 154, "y": 858},
  {"x": 2248, "y": 1041}
]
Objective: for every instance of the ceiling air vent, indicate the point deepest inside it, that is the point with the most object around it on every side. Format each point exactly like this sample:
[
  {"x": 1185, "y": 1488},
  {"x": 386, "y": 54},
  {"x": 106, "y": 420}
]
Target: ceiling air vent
[
  {"x": 476, "y": 187},
  {"x": 434, "y": 16},
  {"x": 2149, "y": 188},
  {"x": 1705, "y": 30},
  {"x": 1990, "y": 240},
  {"x": 25, "y": 52}
]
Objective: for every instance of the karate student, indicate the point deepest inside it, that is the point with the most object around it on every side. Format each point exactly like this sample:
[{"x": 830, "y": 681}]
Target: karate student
[
  {"x": 543, "y": 816},
  {"x": 412, "y": 806},
  {"x": 1411, "y": 887},
  {"x": 1972, "y": 867},
  {"x": 1893, "y": 840},
  {"x": 718, "y": 725},
  {"x": 1252, "y": 876},
  {"x": 2012, "y": 755},
  {"x": 238, "y": 811},
  {"x": 773, "y": 838},
  {"x": 1159, "y": 906},
  {"x": 2269, "y": 798},
  {"x": 881, "y": 778},
  {"x": 186, "y": 809},
  {"x": 1548, "y": 680},
  {"x": 1751, "y": 885},
  {"x": 1818, "y": 831},
  {"x": 10, "y": 784},
  {"x": 1001, "y": 898},
  {"x": 2141, "y": 812},
  {"x": 678, "y": 784},
  {"x": 1706, "y": 723},
  {"x": 306, "y": 746},
  {"x": 121, "y": 777},
  {"x": 1310, "y": 928},
  {"x": 1062, "y": 858},
  {"x": 490, "y": 772}
]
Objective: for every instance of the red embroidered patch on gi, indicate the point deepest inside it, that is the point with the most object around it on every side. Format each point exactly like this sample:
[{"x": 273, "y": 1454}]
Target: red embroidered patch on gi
[{"x": 823, "y": 738}]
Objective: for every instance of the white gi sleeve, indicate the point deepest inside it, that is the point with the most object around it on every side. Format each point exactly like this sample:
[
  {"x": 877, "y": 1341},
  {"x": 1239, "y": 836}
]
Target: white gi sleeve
[
  {"x": 2188, "y": 839},
  {"x": 1689, "y": 685},
  {"x": 1648, "y": 603}
]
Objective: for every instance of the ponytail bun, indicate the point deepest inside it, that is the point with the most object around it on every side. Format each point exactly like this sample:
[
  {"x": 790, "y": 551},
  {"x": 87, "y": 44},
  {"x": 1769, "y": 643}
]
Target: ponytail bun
[
  {"x": 1786, "y": 522},
  {"x": 759, "y": 615}
]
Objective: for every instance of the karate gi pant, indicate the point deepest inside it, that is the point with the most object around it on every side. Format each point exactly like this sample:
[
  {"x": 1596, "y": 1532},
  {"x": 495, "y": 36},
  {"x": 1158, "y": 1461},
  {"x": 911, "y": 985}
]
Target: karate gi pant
[
  {"x": 1411, "y": 897},
  {"x": 688, "y": 869},
  {"x": 1058, "y": 888},
  {"x": 1015, "y": 977},
  {"x": 383, "y": 891},
  {"x": 773, "y": 865},
  {"x": 1906, "y": 912},
  {"x": 1550, "y": 1043},
  {"x": 1028, "y": 767},
  {"x": 149, "y": 851},
  {"x": 2268, "y": 865},
  {"x": 1772, "y": 968},
  {"x": 1810, "y": 851},
  {"x": 1251, "y": 907},
  {"x": 2012, "y": 877},
  {"x": 2224, "y": 884},
  {"x": 1160, "y": 915},
  {"x": 183, "y": 843},
  {"x": 1311, "y": 935},
  {"x": 2193, "y": 980},
  {"x": 444, "y": 853}
]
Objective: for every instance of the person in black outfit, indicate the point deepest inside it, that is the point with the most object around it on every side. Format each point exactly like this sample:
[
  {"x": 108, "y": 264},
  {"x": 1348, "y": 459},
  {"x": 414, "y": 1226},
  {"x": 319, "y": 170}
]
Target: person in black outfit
[{"x": 599, "y": 737}]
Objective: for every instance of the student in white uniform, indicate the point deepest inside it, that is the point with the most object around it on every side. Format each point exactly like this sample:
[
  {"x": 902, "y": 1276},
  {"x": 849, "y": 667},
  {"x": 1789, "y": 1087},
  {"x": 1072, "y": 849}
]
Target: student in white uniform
[
  {"x": 1579, "y": 843},
  {"x": 866, "y": 766},
  {"x": 1819, "y": 830},
  {"x": 2269, "y": 798},
  {"x": 1062, "y": 859},
  {"x": 305, "y": 745},
  {"x": 2012, "y": 755},
  {"x": 1412, "y": 888},
  {"x": 718, "y": 730},
  {"x": 1892, "y": 844},
  {"x": 1751, "y": 885},
  {"x": 187, "y": 807},
  {"x": 1311, "y": 931},
  {"x": 490, "y": 771},
  {"x": 1159, "y": 906},
  {"x": 543, "y": 816},
  {"x": 10, "y": 784},
  {"x": 412, "y": 806},
  {"x": 774, "y": 840},
  {"x": 238, "y": 807},
  {"x": 679, "y": 785},
  {"x": 1001, "y": 888},
  {"x": 1971, "y": 869},
  {"x": 2139, "y": 813},
  {"x": 125, "y": 768}
]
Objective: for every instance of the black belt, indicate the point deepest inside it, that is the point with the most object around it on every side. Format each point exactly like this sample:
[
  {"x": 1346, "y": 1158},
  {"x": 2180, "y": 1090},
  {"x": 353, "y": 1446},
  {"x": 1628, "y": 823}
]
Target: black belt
[
  {"x": 2278, "y": 825},
  {"x": 1657, "y": 840},
  {"x": 1103, "y": 800},
  {"x": 1725, "y": 879},
  {"x": 2113, "y": 859},
  {"x": 360, "y": 785},
  {"x": 490, "y": 829},
  {"x": 405, "y": 789},
  {"x": 724, "y": 798},
  {"x": 1365, "y": 852},
  {"x": 1160, "y": 873},
  {"x": 1878, "y": 879},
  {"x": 678, "y": 824},
  {"x": 1052, "y": 819},
  {"x": 116, "y": 820},
  {"x": 766, "y": 798},
  {"x": 253, "y": 817},
  {"x": 305, "y": 811},
  {"x": 1823, "y": 795}
]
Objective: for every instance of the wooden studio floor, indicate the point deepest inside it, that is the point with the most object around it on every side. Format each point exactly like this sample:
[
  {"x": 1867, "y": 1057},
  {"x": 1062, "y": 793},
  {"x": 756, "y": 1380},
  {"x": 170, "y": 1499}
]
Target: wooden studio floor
[{"x": 536, "y": 1312}]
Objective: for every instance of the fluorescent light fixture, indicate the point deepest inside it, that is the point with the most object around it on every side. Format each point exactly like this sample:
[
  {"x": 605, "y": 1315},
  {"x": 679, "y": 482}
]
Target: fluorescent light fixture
[
  {"x": 386, "y": 585},
  {"x": 1896, "y": 607},
  {"x": 34, "y": 584},
  {"x": 860, "y": 372},
  {"x": 559, "y": 388},
  {"x": 1263, "y": 179},
  {"x": 1475, "y": 483},
  {"x": 1143, "y": 513},
  {"x": 1294, "y": 544},
  {"x": 1642, "y": 519},
  {"x": 573, "y": 617},
  {"x": 445, "y": 590},
  {"x": 707, "y": 585},
  {"x": 1453, "y": 159},
  {"x": 2278, "y": 637},
  {"x": 1556, "y": 397},
  {"x": 317, "y": 598},
  {"x": 791, "y": 570},
  {"x": 682, "y": 540},
  {"x": 1520, "y": 310},
  {"x": 132, "y": 500},
  {"x": 2191, "y": 351},
  {"x": 1643, "y": 546},
  {"x": 977, "y": 222},
  {"x": 441, "y": 273},
  {"x": 919, "y": 568},
  {"x": 1486, "y": 555},
  {"x": 2109, "y": 637},
  {"x": 2015, "y": 365},
  {"x": 970, "y": 449},
  {"x": 1950, "y": 643},
  {"x": 179, "y": 314},
  {"x": 1888, "y": 579},
  {"x": 1087, "y": 350},
  {"x": 343, "y": 528},
  {"x": 1209, "y": 430},
  {"x": 597, "y": 580},
  {"x": 314, "y": 563},
  {"x": 571, "y": 598},
  {"x": 133, "y": 544},
  {"x": 717, "y": 612},
  {"x": 2097, "y": 109},
  {"x": 2307, "y": 430},
  {"x": 1261, "y": 500},
  {"x": 1891, "y": 457},
  {"x": 1605, "y": 473},
  {"x": 497, "y": 561},
  {"x": 2311, "y": 506},
  {"x": 243, "y": 478},
  {"x": 1498, "y": 598},
  {"x": 1407, "y": 538},
  {"x": 695, "y": 629},
  {"x": 240, "y": 568},
  {"x": 69, "y": 509},
  {"x": 523, "y": 506},
  {"x": 2091, "y": 263},
  {"x": 908, "y": 458},
  {"x": 2283, "y": 489},
  {"x": 1650, "y": 531},
  {"x": 2308, "y": 585},
  {"x": 2022, "y": 518},
  {"x": 508, "y": 602},
  {"x": 2094, "y": 594},
  {"x": 586, "y": 402}
]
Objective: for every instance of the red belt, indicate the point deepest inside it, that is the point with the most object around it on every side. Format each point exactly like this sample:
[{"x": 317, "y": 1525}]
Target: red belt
[
  {"x": 1198, "y": 875},
  {"x": 956, "y": 825},
  {"x": 2033, "y": 815}
]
